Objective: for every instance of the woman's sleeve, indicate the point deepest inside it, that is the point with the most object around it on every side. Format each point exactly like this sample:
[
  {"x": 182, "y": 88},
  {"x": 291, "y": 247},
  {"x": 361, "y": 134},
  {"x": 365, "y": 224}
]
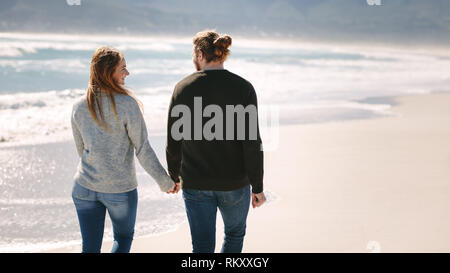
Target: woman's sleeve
[
  {"x": 137, "y": 132},
  {"x": 77, "y": 135}
]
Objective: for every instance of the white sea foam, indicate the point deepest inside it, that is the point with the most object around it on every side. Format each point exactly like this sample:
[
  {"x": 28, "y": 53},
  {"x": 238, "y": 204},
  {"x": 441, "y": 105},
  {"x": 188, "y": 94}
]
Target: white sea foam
[
  {"x": 59, "y": 65},
  {"x": 36, "y": 117},
  {"x": 16, "y": 45},
  {"x": 44, "y": 117}
]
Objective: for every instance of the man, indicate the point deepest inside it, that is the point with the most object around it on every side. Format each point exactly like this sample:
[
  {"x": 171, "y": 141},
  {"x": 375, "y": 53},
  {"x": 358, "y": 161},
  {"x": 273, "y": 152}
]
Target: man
[{"x": 217, "y": 163}]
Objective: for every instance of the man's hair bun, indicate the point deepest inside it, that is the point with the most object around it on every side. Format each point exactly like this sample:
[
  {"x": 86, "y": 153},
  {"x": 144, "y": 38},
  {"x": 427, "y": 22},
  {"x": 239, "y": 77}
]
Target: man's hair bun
[{"x": 223, "y": 41}]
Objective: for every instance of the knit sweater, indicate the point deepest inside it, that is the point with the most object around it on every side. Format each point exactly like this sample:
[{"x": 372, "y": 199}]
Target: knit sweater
[
  {"x": 220, "y": 164},
  {"x": 107, "y": 158}
]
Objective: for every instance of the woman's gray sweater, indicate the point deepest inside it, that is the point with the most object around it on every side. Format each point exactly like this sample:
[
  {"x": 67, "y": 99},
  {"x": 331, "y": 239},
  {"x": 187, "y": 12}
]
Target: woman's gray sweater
[{"x": 107, "y": 158}]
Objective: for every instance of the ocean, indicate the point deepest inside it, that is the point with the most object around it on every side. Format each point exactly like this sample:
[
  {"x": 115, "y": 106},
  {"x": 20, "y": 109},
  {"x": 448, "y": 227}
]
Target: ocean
[{"x": 296, "y": 83}]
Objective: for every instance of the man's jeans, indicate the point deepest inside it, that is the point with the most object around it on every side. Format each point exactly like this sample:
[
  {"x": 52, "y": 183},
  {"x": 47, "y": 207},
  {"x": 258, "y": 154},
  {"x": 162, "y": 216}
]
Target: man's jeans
[
  {"x": 201, "y": 209},
  {"x": 91, "y": 208}
]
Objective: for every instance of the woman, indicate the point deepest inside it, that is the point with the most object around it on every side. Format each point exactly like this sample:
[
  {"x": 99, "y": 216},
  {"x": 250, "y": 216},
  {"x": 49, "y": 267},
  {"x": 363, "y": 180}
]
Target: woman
[{"x": 108, "y": 127}]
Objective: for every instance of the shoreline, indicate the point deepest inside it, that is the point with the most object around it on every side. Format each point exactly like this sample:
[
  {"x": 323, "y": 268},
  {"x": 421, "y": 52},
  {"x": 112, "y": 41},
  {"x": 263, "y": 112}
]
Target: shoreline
[
  {"x": 373, "y": 100},
  {"x": 367, "y": 185}
]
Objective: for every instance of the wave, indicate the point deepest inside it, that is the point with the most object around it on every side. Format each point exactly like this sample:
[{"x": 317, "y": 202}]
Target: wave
[
  {"x": 37, "y": 99},
  {"x": 322, "y": 83},
  {"x": 59, "y": 65},
  {"x": 44, "y": 117},
  {"x": 18, "y": 47}
]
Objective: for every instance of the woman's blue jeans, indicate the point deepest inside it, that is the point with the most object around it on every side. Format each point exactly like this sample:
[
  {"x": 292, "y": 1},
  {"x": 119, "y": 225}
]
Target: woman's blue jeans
[
  {"x": 91, "y": 208},
  {"x": 201, "y": 209}
]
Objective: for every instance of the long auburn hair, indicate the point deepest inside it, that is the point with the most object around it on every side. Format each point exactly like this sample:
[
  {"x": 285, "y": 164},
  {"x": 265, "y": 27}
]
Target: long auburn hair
[{"x": 103, "y": 64}]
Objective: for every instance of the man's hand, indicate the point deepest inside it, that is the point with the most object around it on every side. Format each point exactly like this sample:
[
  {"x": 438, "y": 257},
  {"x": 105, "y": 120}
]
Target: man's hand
[{"x": 258, "y": 199}]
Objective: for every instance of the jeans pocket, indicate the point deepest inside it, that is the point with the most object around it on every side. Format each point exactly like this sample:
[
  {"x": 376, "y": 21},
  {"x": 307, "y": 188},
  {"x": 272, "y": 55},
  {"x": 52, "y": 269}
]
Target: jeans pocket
[
  {"x": 116, "y": 199},
  {"x": 234, "y": 197},
  {"x": 193, "y": 195},
  {"x": 80, "y": 192}
]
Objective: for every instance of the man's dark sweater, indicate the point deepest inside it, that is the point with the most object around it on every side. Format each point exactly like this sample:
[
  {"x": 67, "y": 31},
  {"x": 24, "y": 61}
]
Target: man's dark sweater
[{"x": 224, "y": 163}]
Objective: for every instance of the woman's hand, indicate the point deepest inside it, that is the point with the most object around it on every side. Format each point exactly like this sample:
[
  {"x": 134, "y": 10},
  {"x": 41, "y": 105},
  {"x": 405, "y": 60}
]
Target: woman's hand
[{"x": 176, "y": 187}]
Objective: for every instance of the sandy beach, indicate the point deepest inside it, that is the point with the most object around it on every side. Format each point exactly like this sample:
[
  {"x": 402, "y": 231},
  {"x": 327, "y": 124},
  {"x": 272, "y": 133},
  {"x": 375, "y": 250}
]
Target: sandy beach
[{"x": 352, "y": 186}]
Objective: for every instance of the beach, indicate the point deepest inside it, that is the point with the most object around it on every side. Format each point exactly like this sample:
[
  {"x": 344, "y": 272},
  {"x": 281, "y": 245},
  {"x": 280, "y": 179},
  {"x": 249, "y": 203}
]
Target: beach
[{"x": 366, "y": 185}]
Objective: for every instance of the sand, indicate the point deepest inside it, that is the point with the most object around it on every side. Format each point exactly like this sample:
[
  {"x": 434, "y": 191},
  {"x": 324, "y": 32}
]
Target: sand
[{"x": 378, "y": 185}]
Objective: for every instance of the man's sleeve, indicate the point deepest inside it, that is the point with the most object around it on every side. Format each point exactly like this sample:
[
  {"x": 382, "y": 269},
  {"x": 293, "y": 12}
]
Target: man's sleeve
[
  {"x": 253, "y": 153},
  {"x": 173, "y": 147}
]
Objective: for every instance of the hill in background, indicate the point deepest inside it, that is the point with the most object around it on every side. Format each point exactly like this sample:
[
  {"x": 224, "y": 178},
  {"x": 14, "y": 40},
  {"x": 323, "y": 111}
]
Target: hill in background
[{"x": 395, "y": 21}]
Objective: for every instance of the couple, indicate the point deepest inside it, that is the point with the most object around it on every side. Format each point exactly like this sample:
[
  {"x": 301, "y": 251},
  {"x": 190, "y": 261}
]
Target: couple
[{"x": 109, "y": 129}]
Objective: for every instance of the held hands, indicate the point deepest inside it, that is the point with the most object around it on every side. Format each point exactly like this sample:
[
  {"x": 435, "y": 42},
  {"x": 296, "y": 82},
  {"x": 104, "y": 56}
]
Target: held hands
[
  {"x": 258, "y": 199},
  {"x": 176, "y": 187}
]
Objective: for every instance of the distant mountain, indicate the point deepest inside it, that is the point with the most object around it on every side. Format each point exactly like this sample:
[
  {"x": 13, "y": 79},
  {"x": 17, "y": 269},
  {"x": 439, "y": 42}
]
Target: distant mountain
[{"x": 405, "y": 21}]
